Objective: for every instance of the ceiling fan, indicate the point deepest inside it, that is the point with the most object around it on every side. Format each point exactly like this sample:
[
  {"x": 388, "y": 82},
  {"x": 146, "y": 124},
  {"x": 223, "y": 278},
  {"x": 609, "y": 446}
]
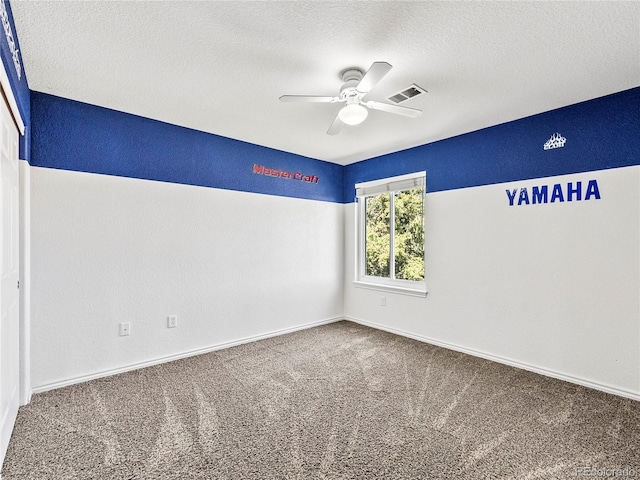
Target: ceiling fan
[{"x": 357, "y": 85}]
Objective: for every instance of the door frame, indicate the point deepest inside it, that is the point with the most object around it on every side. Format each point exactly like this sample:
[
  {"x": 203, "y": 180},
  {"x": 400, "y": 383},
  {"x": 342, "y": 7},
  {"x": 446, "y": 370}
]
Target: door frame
[{"x": 24, "y": 245}]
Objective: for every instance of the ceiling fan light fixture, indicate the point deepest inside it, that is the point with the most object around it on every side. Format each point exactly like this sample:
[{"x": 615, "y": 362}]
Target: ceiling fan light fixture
[
  {"x": 357, "y": 85},
  {"x": 353, "y": 114}
]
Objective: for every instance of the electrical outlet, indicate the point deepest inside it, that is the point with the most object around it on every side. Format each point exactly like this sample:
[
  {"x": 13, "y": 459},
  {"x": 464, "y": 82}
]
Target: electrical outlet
[
  {"x": 172, "y": 321},
  {"x": 125, "y": 329},
  {"x": 383, "y": 301}
]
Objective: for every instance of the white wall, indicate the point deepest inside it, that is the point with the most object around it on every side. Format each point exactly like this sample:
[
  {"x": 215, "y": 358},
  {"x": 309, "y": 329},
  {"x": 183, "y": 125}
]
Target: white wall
[
  {"x": 553, "y": 288},
  {"x": 231, "y": 265}
]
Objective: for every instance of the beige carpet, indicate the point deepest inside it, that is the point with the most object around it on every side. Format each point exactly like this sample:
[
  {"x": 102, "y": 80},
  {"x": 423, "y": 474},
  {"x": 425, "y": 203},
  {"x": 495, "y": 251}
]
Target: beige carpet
[{"x": 341, "y": 401}]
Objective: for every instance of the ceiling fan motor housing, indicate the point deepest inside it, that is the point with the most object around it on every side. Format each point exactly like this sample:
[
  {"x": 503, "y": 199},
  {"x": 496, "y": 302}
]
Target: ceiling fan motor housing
[{"x": 351, "y": 78}]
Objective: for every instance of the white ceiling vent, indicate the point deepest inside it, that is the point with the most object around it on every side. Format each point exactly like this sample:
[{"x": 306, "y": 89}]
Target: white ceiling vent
[{"x": 407, "y": 93}]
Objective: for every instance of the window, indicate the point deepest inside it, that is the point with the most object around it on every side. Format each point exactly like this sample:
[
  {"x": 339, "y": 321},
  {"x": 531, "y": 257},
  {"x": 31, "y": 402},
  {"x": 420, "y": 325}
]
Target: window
[{"x": 390, "y": 232}]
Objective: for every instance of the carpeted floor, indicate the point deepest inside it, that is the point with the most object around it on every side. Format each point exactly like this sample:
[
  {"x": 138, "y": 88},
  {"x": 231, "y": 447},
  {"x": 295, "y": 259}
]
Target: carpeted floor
[{"x": 341, "y": 401}]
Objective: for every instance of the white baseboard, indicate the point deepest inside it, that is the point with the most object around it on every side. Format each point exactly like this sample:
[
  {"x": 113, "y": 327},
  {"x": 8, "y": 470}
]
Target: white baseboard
[
  {"x": 170, "y": 358},
  {"x": 506, "y": 361},
  {"x": 420, "y": 338}
]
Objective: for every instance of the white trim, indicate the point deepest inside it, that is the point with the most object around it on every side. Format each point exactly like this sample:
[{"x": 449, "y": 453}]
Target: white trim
[
  {"x": 25, "y": 282},
  {"x": 391, "y": 184},
  {"x": 8, "y": 422},
  {"x": 414, "y": 292},
  {"x": 506, "y": 361},
  {"x": 170, "y": 358},
  {"x": 11, "y": 99},
  {"x": 476, "y": 353},
  {"x": 11, "y": 392},
  {"x": 376, "y": 187}
]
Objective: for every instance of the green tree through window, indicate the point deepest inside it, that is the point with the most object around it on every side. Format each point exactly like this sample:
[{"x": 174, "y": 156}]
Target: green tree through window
[
  {"x": 377, "y": 241},
  {"x": 409, "y": 234},
  {"x": 407, "y": 244}
]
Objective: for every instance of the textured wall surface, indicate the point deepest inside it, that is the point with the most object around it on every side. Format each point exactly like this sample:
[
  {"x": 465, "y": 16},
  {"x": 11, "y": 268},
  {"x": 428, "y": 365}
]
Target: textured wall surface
[
  {"x": 547, "y": 286},
  {"x": 231, "y": 265},
  {"x": 77, "y": 136},
  {"x": 601, "y": 133}
]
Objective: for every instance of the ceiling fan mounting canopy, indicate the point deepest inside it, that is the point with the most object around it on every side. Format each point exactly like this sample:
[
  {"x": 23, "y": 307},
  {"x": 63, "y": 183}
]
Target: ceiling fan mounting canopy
[
  {"x": 357, "y": 84},
  {"x": 349, "y": 90},
  {"x": 351, "y": 78}
]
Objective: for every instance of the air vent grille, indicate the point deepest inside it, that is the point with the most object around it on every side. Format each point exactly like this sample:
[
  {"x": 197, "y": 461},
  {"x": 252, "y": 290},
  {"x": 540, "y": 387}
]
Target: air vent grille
[{"x": 407, "y": 93}]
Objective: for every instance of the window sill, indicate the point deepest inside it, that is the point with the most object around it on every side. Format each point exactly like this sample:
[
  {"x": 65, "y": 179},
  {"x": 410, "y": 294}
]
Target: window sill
[{"x": 420, "y": 291}]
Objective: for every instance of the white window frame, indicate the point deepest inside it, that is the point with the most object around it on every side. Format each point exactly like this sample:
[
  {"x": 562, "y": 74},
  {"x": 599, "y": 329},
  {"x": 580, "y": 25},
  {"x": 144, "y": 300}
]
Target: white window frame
[{"x": 386, "y": 185}]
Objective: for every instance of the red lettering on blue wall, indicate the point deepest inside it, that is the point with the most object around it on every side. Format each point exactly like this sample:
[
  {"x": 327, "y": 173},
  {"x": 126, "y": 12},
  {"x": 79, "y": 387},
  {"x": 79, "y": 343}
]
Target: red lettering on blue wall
[{"x": 276, "y": 172}]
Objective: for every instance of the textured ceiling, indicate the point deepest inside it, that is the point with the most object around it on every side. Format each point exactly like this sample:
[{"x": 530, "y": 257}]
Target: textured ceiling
[{"x": 220, "y": 67}]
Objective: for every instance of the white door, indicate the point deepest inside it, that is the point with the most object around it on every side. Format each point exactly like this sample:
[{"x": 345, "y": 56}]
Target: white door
[{"x": 9, "y": 315}]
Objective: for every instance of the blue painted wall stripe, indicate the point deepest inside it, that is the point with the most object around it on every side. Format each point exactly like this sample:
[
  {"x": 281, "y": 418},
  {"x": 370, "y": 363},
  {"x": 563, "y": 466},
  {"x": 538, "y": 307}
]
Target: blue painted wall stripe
[
  {"x": 601, "y": 133},
  {"x": 77, "y": 136},
  {"x": 19, "y": 86}
]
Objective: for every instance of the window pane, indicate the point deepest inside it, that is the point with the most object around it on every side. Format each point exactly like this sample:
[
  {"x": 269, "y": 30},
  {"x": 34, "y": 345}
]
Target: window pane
[
  {"x": 377, "y": 235},
  {"x": 409, "y": 234}
]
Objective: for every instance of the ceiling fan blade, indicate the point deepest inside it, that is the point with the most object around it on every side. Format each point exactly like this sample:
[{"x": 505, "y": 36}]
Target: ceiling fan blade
[
  {"x": 375, "y": 73},
  {"x": 335, "y": 127},
  {"x": 307, "y": 98},
  {"x": 397, "y": 109}
]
